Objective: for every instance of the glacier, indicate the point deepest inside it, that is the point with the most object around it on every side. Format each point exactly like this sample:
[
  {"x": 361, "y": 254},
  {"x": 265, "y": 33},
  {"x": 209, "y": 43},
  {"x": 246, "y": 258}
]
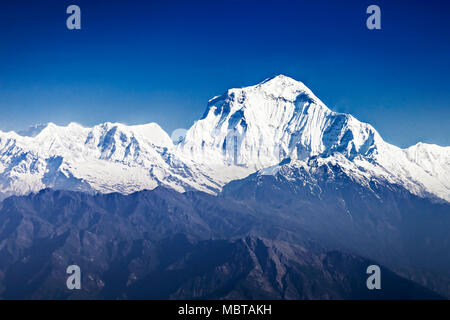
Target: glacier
[{"x": 243, "y": 131}]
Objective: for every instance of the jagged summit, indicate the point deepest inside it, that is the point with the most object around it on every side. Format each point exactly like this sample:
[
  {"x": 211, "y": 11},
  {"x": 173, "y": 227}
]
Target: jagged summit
[
  {"x": 284, "y": 87},
  {"x": 278, "y": 87},
  {"x": 33, "y": 130}
]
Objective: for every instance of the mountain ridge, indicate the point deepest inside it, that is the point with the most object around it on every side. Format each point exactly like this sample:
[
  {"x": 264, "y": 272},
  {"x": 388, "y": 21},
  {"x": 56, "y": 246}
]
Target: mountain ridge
[
  {"x": 242, "y": 131},
  {"x": 161, "y": 244}
]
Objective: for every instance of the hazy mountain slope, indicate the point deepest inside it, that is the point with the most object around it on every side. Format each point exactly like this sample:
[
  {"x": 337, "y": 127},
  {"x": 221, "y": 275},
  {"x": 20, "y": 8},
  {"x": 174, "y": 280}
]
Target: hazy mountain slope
[
  {"x": 255, "y": 268},
  {"x": 341, "y": 207},
  {"x": 162, "y": 244}
]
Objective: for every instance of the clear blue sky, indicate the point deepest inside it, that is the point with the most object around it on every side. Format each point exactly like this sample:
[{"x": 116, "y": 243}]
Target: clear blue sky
[{"x": 144, "y": 61}]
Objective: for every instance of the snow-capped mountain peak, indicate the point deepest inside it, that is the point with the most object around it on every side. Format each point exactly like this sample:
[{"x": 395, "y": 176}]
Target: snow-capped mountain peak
[
  {"x": 260, "y": 125},
  {"x": 256, "y": 127},
  {"x": 284, "y": 87}
]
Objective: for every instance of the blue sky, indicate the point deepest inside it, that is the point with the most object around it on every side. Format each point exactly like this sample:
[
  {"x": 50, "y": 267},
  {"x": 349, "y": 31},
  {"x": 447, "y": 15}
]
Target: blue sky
[{"x": 144, "y": 61}]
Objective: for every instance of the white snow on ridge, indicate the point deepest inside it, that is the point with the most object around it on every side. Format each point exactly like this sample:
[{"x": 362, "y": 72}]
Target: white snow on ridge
[
  {"x": 109, "y": 157},
  {"x": 259, "y": 125},
  {"x": 242, "y": 131}
]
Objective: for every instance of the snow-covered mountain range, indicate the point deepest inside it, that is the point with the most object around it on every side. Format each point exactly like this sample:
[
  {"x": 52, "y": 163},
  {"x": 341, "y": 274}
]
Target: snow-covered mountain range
[
  {"x": 242, "y": 131},
  {"x": 109, "y": 157}
]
